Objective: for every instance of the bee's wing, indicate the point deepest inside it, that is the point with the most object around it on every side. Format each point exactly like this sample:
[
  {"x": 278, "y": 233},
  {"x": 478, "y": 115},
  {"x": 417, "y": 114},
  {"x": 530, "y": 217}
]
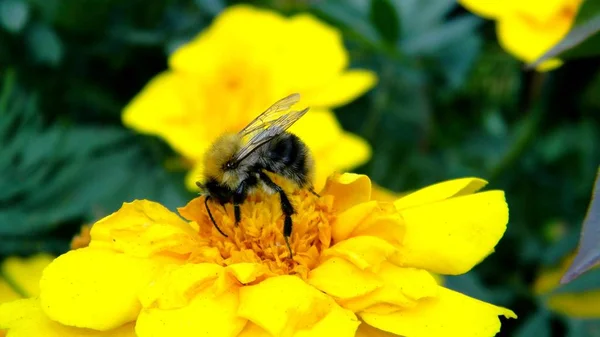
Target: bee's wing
[
  {"x": 270, "y": 130},
  {"x": 269, "y": 116}
]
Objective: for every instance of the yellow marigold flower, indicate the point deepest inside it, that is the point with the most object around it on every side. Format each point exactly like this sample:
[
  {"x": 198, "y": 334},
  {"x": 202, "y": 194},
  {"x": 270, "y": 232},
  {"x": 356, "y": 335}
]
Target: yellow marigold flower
[
  {"x": 528, "y": 29},
  {"x": 582, "y": 304},
  {"x": 360, "y": 267},
  {"x": 246, "y": 60}
]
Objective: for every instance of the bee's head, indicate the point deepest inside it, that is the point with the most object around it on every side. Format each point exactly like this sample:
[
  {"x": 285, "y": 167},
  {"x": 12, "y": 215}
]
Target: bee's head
[{"x": 218, "y": 159}]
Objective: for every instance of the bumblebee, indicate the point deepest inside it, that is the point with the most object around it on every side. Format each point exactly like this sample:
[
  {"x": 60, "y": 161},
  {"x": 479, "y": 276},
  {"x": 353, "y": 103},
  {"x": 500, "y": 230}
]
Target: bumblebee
[{"x": 236, "y": 163}]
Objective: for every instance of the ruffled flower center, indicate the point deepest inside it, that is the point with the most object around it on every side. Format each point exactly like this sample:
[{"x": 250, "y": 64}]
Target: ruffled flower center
[{"x": 258, "y": 238}]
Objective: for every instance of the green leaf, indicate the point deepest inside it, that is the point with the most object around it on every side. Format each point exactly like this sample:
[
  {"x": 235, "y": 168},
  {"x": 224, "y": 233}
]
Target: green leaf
[
  {"x": 384, "y": 17},
  {"x": 537, "y": 325},
  {"x": 213, "y": 7},
  {"x": 14, "y": 15},
  {"x": 45, "y": 45},
  {"x": 584, "y": 38},
  {"x": 588, "y": 253}
]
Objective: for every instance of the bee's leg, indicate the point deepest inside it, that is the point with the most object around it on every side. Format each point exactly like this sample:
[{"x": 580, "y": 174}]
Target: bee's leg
[
  {"x": 211, "y": 216},
  {"x": 240, "y": 195},
  {"x": 286, "y": 208},
  {"x": 312, "y": 190}
]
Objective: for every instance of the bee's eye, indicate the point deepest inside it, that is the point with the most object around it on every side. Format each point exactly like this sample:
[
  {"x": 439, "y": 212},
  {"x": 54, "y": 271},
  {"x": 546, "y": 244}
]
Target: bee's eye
[{"x": 229, "y": 165}]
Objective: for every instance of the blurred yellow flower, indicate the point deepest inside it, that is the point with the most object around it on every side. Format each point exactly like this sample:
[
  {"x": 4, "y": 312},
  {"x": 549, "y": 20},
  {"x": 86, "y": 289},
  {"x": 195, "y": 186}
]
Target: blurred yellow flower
[
  {"x": 245, "y": 61},
  {"x": 528, "y": 29},
  {"x": 581, "y": 304},
  {"x": 21, "y": 277},
  {"x": 360, "y": 267}
]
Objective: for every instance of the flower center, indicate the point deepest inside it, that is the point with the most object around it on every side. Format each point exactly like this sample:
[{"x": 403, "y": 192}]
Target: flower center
[{"x": 258, "y": 238}]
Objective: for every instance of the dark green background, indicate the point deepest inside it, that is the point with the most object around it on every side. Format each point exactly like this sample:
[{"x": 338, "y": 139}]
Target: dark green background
[{"x": 449, "y": 103}]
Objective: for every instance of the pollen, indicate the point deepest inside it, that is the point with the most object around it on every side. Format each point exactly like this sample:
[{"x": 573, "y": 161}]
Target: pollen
[{"x": 258, "y": 238}]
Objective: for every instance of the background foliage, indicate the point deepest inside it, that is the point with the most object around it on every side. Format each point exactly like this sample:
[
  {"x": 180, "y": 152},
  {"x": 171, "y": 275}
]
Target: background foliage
[{"x": 450, "y": 103}]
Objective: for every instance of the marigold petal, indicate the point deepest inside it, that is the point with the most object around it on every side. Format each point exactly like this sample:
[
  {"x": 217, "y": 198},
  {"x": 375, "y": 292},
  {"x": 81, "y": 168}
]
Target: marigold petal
[
  {"x": 583, "y": 305},
  {"x": 452, "y": 236},
  {"x": 162, "y": 108},
  {"x": 488, "y": 9},
  {"x": 401, "y": 288},
  {"x": 178, "y": 285},
  {"x": 285, "y": 304},
  {"x": 527, "y": 39},
  {"x": 347, "y": 152},
  {"x": 206, "y": 314},
  {"x": 338, "y": 322},
  {"x": 342, "y": 279},
  {"x": 362, "y": 251},
  {"x": 349, "y": 189},
  {"x": 253, "y": 330},
  {"x": 26, "y": 273},
  {"x": 365, "y": 330},
  {"x": 342, "y": 89},
  {"x": 7, "y": 293},
  {"x": 94, "y": 288},
  {"x": 349, "y": 219},
  {"x": 312, "y": 70},
  {"x": 25, "y": 318},
  {"x": 449, "y": 314},
  {"x": 142, "y": 228},
  {"x": 247, "y": 272},
  {"x": 440, "y": 191},
  {"x": 234, "y": 30}
]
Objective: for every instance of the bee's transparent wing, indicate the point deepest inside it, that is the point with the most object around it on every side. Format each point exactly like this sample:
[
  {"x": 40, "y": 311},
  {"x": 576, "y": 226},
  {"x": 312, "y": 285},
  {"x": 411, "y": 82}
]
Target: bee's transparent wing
[
  {"x": 269, "y": 116},
  {"x": 270, "y": 130}
]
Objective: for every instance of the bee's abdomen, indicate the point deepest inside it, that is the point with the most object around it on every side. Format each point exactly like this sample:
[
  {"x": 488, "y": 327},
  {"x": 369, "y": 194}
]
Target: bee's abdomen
[{"x": 288, "y": 156}]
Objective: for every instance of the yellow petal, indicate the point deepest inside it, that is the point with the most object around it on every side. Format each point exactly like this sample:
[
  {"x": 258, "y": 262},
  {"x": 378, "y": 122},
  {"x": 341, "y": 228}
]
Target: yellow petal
[
  {"x": 25, "y": 318},
  {"x": 582, "y": 305},
  {"x": 371, "y": 218},
  {"x": 253, "y": 330},
  {"x": 346, "y": 153},
  {"x": 527, "y": 39},
  {"x": 338, "y": 322},
  {"x": 94, "y": 288},
  {"x": 362, "y": 251},
  {"x": 449, "y": 314},
  {"x": 340, "y": 278},
  {"x": 285, "y": 304},
  {"x": 400, "y": 288},
  {"x": 142, "y": 228},
  {"x": 178, "y": 285},
  {"x": 488, "y": 9},
  {"x": 232, "y": 34},
  {"x": 7, "y": 293},
  {"x": 381, "y": 193},
  {"x": 206, "y": 314},
  {"x": 441, "y": 191},
  {"x": 342, "y": 89},
  {"x": 365, "y": 330},
  {"x": 166, "y": 107},
  {"x": 348, "y": 189},
  {"x": 26, "y": 273},
  {"x": 452, "y": 236}
]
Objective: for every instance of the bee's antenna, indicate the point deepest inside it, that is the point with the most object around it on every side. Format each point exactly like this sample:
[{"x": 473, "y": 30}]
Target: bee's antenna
[{"x": 211, "y": 217}]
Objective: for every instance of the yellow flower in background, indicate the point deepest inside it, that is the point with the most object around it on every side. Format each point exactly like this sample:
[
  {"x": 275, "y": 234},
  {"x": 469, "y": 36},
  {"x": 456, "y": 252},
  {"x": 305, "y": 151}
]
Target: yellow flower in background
[
  {"x": 360, "y": 268},
  {"x": 582, "y": 304},
  {"x": 244, "y": 62},
  {"x": 528, "y": 29},
  {"x": 20, "y": 277}
]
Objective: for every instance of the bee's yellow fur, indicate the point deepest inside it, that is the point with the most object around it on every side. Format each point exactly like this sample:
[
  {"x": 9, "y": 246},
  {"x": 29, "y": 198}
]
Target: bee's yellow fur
[{"x": 221, "y": 151}]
